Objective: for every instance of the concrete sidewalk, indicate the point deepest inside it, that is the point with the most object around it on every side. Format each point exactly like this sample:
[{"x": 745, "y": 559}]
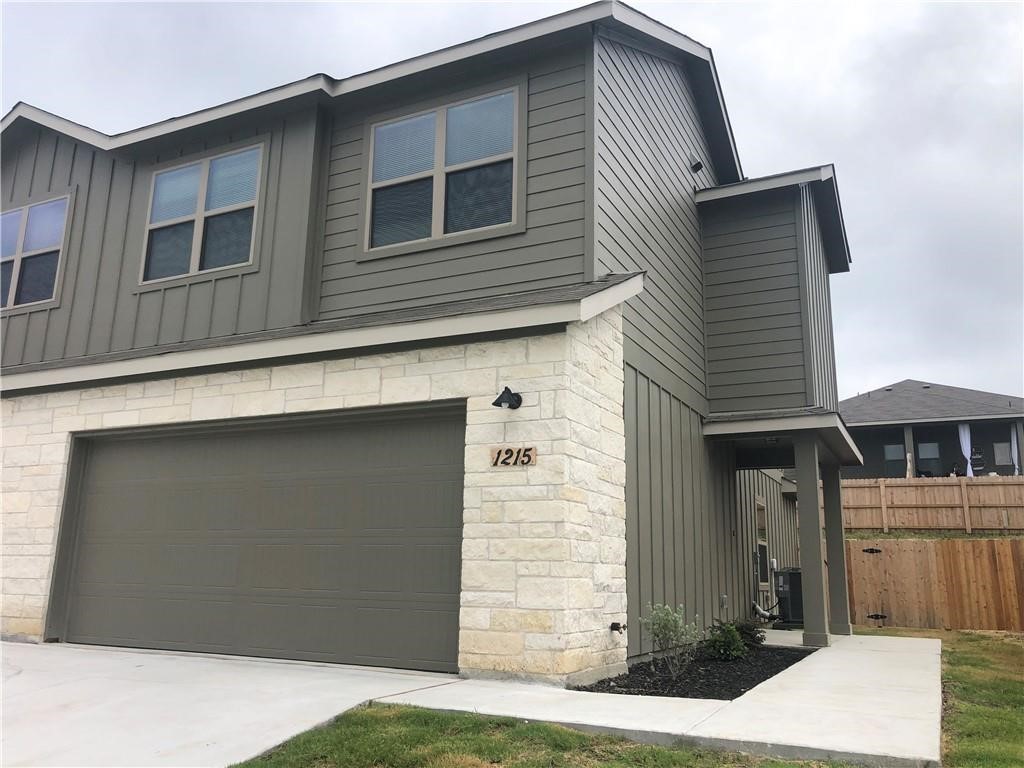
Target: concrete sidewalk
[
  {"x": 869, "y": 700},
  {"x": 88, "y": 706}
]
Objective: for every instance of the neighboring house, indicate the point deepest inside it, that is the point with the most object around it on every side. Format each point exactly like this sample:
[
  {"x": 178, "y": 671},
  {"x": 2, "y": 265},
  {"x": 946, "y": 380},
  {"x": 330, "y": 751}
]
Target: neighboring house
[
  {"x": 254, "y": 360},
  {"x": 937, "y": 427}
]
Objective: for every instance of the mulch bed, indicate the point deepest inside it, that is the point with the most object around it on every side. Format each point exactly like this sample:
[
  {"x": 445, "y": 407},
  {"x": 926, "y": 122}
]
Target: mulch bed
[{"x": 704, "y": 678}]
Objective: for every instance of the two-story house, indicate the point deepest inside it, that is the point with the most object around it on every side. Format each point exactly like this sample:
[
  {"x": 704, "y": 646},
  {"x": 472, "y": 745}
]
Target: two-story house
[{"x": 453, "y": 365}]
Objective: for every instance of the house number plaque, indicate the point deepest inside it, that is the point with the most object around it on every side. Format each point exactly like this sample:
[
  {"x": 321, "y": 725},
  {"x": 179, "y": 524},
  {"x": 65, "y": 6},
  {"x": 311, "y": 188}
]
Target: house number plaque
[{"x": 513, "y": 457}]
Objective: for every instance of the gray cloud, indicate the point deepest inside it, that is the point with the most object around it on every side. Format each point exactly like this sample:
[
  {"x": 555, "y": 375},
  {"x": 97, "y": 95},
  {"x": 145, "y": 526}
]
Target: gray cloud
[{"x": 919, "y": 106}]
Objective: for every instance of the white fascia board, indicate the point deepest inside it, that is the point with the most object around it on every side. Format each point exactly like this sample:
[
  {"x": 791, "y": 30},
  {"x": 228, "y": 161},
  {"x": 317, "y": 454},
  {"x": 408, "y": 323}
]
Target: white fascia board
[
  {"x": 595, "y": 304},
  {"x": 765, "y": 183},
  {"x": 109, "y": 143},
  {"x": 257, "y": 352}
]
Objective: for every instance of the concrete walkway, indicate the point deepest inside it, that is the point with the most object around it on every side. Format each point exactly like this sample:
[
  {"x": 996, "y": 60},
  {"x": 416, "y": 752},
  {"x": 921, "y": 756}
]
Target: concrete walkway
[
  {"x": 88, "y": 706},
  {"x": 870, "y": 700}
]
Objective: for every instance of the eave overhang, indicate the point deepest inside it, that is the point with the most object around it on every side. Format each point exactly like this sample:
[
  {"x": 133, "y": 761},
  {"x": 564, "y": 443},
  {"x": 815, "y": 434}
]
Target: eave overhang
[
  {"x": 822, "y": 181},
  {"x": 609, "y": 12},
  {"x": 327, "y": 338},
  {"x": 828, "y": 427},
  {"x": 951, "y": 420}
]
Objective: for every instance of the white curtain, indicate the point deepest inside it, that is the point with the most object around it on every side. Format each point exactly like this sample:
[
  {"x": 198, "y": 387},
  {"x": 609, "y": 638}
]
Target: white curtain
[
  {"x": 965, "y": 446},
  {"x": 1014, "y": 450}
]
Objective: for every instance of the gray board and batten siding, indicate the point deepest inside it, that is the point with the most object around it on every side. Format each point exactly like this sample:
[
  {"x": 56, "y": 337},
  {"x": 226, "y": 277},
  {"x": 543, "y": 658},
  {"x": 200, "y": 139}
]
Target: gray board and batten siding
[
  {"x": 768, "y": 314},
  {"x": 690, "y": 516},
  {"x": 102, "y": 307},
  {"x": 645, "y": 216},
  {"x": 544, "y": 247}
]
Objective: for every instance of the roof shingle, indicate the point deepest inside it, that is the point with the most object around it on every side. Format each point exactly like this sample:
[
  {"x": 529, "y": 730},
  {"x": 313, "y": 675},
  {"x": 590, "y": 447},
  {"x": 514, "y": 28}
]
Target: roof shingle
[{"x": 912, "y": 400}]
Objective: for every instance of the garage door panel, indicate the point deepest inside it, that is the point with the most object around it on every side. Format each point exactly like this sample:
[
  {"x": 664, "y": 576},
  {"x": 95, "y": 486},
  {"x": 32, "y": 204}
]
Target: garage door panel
[
  {"x": 334, "y": 542},
  {"x": 436, "y": 568}
]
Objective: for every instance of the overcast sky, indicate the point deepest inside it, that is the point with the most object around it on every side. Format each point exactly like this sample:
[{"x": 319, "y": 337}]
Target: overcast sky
[{"x": 919, "y": 106}]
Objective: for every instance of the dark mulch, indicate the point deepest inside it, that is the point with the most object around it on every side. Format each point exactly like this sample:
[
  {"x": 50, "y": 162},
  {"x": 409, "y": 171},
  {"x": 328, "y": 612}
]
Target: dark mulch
[{"x": 704, "y": 678}]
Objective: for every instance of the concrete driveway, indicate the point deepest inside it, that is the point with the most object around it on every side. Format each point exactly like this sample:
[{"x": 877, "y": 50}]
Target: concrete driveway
[{"x": 87, "y": 706}]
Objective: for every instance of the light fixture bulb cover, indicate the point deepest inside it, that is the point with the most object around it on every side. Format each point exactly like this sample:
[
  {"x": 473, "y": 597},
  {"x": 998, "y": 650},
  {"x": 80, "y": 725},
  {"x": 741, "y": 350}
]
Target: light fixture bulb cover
[{"x": 508, "y": 399}]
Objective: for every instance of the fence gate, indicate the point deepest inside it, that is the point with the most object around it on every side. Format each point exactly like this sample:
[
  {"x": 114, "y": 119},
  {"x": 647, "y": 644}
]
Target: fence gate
[{"x": 937, "y": 583}]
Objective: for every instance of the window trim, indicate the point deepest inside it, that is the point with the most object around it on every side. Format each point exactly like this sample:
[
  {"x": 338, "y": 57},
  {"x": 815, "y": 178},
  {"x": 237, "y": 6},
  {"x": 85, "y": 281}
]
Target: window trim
[
  {"x": 200, "y": 215},
  {"x": 761, "y": 509},
  {"x": 439, "y": 238},
  {"x": 1009, "y": 453},
  {"x": 61, "y": 248}
]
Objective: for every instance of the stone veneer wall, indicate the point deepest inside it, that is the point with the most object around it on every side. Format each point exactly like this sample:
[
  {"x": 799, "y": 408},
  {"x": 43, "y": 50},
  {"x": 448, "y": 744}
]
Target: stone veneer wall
[{"x": 543, "y": 570}]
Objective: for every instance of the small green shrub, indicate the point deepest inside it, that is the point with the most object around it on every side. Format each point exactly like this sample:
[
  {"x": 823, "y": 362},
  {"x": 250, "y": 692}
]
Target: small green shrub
[
  {"x": 724, "y": 642},
  {"x": 674, "y": 638},
  {"x": 750, "y": 632}
]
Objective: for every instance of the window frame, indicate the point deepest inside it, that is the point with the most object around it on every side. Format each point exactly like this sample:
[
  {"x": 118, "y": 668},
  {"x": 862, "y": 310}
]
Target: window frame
[
  {"x": 1009, "y": 453},
  {"x": 61, "y": 248},
  {"x": 200, "y": 215},
  {"x": 439, "y": 172},
  {"x": 761, "y": 512}
]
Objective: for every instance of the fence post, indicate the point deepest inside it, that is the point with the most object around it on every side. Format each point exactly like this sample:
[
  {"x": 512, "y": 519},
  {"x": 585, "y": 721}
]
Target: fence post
[
  {"x": 965, "y": 503},
  {"x": 885, "y": 505}
]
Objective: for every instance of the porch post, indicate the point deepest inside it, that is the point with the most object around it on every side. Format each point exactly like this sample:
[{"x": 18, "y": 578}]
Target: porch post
[
  {"x": 835, "y": 551},
  {"x": 812, "y": 566}
]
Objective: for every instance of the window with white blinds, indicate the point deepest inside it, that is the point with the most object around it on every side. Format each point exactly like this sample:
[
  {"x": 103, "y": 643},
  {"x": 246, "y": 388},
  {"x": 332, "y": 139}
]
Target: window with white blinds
[
  {"x": 443, "y": 172},
  {"x": 201, "y": 215}
]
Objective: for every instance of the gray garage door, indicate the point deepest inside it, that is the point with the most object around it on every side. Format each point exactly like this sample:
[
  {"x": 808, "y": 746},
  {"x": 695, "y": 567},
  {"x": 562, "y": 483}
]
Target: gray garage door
[{"x": 328, "y": 541}]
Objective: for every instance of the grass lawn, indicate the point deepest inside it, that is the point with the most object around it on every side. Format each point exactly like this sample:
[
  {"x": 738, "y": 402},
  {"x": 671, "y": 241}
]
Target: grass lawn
[
  {"x": 385, "y": 736},
  {"x": 983, "y": 678},
  {"x": 983, "y": 687}
]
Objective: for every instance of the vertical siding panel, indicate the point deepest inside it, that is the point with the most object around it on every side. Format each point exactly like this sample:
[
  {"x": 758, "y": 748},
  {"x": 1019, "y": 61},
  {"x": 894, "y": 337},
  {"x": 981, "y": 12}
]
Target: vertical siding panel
[
  {"x": 253, "y": 296},
  {"x": 679, "y": 459},
  {"x": 644, "y": 502},
  {"x": 74, "y": 167},
  {"x": 198, "y": 310},
  {"x": 634, "y": 561},
  {"x": 43, "y": 168},
  {"x": 111, "y": 261},
  {"x": 657, "y": 497},
  {"x": 148, "y": 326},
  {"x": 224, "y": 319},
  {"x": 292, "y": 222},
  {"x": 172, "y": 315}
]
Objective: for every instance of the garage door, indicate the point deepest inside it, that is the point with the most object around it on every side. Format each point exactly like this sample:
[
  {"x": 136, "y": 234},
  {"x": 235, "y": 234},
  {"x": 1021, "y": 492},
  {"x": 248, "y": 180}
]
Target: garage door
[{"x": 320, "y": 540}]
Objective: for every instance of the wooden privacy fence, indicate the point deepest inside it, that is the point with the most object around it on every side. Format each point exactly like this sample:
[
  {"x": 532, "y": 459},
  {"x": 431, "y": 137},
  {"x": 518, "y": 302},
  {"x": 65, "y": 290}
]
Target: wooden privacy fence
[
  {"x": 935, "y": 503},
  {"x": 937, "y": 583}
]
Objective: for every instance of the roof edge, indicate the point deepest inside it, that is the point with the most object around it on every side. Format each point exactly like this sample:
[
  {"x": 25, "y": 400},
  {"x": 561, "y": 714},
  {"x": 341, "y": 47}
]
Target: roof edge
[
  {"x": 822, "y": 179},
  {"x": 603, "y": 10}
]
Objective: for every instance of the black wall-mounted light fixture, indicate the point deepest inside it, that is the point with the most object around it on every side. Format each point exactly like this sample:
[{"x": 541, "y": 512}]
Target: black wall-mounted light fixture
[
  {"x": 508, "y": 399},
  {"x": 695, "y": 164}
]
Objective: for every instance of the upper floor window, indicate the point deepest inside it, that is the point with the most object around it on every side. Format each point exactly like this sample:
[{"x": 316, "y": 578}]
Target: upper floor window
[
  {"x": 445, "y": 171},
  {"x": 201, "y": 215},
  {"x": 33, "y": 237}
]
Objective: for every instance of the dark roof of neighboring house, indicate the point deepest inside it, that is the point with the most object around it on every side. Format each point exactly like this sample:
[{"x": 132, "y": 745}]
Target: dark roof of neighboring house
[{"x": 912, "y": 401}]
